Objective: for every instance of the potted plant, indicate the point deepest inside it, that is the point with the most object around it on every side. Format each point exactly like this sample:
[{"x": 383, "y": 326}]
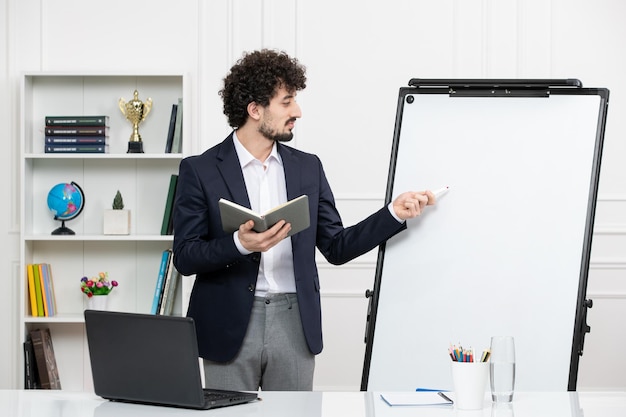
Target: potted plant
[
  {"x": 116, "y": 219},
  {"x": 97, "y": 289}
]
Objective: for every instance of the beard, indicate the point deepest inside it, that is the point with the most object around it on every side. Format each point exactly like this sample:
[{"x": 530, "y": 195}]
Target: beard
[{"x": 272, "y": 134}]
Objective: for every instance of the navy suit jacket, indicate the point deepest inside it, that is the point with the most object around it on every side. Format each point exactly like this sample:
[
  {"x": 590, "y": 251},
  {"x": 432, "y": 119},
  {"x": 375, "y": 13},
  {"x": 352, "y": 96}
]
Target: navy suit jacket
[{"x": 223, "y": 293}]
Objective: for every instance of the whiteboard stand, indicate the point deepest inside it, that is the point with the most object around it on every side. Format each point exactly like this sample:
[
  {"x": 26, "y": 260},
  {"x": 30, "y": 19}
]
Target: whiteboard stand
[{"x": 506, "y": 250}]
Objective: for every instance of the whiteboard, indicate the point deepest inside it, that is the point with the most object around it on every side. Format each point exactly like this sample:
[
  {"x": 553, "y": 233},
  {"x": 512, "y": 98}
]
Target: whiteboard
[{"x": 503, "y": 252}]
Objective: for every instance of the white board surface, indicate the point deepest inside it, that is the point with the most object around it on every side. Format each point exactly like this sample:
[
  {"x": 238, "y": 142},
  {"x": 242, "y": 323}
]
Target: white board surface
[{"x": 500, "y": 253}]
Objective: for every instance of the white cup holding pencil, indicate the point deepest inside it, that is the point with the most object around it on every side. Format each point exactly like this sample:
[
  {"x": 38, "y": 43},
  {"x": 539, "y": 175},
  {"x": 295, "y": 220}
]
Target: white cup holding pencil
[{"x": 469, "y": 378}]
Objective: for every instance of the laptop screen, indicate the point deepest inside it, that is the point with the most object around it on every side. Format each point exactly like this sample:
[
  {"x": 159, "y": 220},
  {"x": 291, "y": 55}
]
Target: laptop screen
[{"x": 144, "y": 358}]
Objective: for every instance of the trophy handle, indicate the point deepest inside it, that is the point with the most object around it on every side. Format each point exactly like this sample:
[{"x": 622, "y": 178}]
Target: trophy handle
[
  {"x": 122, "y": 105},
  {"x": 147, "y": 106}
]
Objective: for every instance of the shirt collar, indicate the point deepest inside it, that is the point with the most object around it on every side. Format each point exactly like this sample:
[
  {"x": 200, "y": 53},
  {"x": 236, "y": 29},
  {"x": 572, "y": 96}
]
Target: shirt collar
[{"x": 246, "y": 157}]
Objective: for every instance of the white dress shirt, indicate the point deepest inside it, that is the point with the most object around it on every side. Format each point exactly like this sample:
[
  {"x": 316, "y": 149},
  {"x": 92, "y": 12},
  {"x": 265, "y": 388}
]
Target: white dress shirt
[{"x": 265, "y": 183}]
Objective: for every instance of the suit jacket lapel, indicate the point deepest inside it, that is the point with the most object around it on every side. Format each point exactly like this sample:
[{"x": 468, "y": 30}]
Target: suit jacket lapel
[
  {"x": 230, "y": 170},
  {"x": 293, "y": 180},
  {"x": 293, "y": 172}
]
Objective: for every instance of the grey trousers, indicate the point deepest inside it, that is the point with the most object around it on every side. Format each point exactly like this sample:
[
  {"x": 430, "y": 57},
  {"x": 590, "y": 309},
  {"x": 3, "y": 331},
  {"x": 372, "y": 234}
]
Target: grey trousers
[{"x": 274, "y": 355}]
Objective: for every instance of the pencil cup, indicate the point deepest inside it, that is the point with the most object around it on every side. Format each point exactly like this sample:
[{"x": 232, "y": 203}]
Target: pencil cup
[
  {"x": 502, "y": 368},
  {"x": 470, "y": 384}
]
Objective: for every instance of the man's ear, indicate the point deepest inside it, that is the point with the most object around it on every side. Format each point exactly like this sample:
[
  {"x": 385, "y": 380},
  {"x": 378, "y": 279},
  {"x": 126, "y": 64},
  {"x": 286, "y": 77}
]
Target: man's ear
[{"x": 254, "y": 110}]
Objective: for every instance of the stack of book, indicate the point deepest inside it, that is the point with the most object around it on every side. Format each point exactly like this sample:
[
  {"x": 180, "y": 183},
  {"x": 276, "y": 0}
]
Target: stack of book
[
  {"x": 41, "y": 290},
  {"x": 167, "y": 286},
  {"x": 77, "y": 134},
  {"x": 41, "y": 370}
]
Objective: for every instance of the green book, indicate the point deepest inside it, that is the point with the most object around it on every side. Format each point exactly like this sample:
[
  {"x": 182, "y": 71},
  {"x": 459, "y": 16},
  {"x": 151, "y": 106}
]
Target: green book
[
  {"x": 167, "y": 226},
  {"x": 38, "y": 291},
  {"x": 177, "y": 140},
  {"x": 77, "y": 120}
]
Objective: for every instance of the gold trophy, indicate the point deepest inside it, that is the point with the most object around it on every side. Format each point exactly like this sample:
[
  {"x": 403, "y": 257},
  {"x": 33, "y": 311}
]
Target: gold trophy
[{"x": 135, "y": 112}]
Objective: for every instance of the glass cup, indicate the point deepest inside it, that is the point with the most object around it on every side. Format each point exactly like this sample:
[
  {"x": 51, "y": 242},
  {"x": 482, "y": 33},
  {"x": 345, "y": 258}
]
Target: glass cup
[
  {"x": 502, "y": 410},
  {"x": 502, "y": 368}
]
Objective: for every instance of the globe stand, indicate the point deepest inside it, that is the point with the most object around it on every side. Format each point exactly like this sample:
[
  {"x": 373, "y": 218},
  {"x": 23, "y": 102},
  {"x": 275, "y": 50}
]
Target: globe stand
[{"x": 62, "y": 230}]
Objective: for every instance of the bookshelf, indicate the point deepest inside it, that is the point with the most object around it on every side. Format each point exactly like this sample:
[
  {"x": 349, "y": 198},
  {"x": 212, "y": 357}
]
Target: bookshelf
[{"x": 142, "y": 178}]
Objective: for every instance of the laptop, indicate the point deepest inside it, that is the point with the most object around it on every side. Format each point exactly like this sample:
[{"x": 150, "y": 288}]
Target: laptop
[{"x": 150, "y": 359}]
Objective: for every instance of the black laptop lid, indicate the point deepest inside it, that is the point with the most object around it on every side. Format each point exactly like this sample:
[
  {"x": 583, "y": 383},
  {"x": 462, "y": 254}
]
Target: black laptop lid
[{"x": 144, "y": 358}]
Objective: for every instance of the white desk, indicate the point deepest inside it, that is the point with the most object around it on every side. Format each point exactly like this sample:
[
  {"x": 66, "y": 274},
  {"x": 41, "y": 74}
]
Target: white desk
[{"x": 43, "y": 403}]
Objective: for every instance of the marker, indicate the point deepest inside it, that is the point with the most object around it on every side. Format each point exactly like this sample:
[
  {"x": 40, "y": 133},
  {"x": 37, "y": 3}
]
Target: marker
[{"x": 438, "y": 193}]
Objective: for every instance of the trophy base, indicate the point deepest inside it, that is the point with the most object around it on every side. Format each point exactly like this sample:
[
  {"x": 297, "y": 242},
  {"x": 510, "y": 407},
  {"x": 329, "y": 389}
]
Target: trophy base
[{"x": 135, "y": 147}]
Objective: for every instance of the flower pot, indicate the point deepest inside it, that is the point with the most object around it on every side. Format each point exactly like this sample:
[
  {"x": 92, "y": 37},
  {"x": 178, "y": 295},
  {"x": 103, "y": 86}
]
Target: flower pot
[
  {"x": 116, "y": 222},
  {"x": 98, "y": 302}
]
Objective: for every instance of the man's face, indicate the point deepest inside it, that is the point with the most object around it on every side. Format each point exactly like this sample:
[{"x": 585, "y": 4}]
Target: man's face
[{"x": 279, "y": 118}]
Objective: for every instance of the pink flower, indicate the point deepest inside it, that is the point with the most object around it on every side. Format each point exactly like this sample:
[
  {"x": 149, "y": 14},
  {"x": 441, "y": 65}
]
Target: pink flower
[{"x": 97, "y": 286}]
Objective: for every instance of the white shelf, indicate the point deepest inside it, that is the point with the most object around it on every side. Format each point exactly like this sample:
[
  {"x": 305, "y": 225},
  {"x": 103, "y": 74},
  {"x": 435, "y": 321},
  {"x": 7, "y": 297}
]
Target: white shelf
[
  {"x": 99, "y": 238},
  {"x": 142, "y": 178},
  {"x": 58, "y": 319},
  {"x": 132, "y": 156}
]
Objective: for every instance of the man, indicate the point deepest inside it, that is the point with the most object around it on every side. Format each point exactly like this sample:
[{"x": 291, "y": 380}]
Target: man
[{"x": 255, "y": 301}]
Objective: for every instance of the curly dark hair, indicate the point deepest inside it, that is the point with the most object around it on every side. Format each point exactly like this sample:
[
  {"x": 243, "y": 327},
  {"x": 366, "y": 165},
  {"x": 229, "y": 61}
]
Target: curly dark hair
[{"x": 256, "y": 77}]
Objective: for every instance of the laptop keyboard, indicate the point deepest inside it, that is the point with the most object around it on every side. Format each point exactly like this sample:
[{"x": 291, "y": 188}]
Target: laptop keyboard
[
  {"x": 215, "y": 396},
  {"x": 218, "y": 396}
]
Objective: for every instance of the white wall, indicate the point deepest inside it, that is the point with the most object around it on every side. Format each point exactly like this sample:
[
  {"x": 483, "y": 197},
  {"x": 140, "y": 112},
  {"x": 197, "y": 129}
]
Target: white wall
[{"x": 358, "y": 53}]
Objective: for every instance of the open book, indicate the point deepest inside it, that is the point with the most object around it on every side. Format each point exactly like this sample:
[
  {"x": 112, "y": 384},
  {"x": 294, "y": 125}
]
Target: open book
[
  {"x": 427, "y": 398},
  {"x": 294, "y": 211}
]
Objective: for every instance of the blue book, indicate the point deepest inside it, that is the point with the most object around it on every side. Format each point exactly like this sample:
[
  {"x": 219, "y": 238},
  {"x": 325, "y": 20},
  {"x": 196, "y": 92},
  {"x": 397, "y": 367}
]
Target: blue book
[
  {"x": 158, "y": 290},
  {"x": 47, "y": 283}
]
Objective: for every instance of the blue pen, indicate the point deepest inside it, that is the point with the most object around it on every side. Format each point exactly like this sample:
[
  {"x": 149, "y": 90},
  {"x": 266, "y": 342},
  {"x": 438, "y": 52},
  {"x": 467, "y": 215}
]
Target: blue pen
[{"x": 418, "y": 389}]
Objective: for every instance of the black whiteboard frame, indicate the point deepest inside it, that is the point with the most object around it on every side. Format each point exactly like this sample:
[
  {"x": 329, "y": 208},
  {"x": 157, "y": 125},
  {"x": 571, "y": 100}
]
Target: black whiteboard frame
[{"x": 500, "y": 89}]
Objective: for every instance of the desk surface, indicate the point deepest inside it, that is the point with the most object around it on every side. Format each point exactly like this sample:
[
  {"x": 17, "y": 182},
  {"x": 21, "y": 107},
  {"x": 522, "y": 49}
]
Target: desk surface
[{"x": 44, "y": 403}]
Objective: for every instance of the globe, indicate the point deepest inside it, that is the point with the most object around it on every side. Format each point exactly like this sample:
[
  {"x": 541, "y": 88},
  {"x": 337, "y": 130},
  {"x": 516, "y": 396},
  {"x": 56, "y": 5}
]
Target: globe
[{"x": 66, "y": 201}]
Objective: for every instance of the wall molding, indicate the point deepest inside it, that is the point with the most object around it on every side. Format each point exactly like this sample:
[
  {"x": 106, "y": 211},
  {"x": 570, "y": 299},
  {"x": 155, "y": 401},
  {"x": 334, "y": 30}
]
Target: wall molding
[
  {"x": 342, "y": 294},
  {"x": 374, "y": 197},
  {"x": 355, "y": 264},
  {"x": 611, "y": 198},
  {"x": 14, "y": 321},
  {"x": 614, "y": 295},
  {"x": 609, "y": 229},
  {"x": 601, "y": 263}
]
